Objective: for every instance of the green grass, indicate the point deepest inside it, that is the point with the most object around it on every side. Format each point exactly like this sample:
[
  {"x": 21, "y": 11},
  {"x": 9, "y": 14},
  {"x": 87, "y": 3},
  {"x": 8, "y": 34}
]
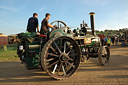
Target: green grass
[{"x": 10, "y": 54}]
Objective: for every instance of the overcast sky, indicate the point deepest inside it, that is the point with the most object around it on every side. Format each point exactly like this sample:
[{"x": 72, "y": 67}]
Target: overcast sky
[{"x": 110, "y": 14}]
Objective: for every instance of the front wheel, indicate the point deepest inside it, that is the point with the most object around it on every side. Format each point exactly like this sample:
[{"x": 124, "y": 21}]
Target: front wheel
[
  {"x": 104, "y": 55},
  {"x": 60, "y": 57}
]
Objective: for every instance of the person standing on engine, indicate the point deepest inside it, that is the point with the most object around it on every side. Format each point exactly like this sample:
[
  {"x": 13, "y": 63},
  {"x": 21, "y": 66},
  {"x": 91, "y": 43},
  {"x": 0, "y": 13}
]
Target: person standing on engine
[
  {"x": 45, "y": 24},
  {"x": 33, "y": 23}
]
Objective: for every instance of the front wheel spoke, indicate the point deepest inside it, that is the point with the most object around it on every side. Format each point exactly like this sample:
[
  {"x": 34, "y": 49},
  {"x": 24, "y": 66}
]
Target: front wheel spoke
[
  {"x": 63, "y": 70},
  {"x": 71, "y": 64},
  {"x": 106, "y": 61},
  {"x": 54, "y": 69},
  {"x": 49, "y": 66},
  {"x": 105, "y": 52},
  {"x": 57, "y": 47},
  {"x": 51, "y": 54}
]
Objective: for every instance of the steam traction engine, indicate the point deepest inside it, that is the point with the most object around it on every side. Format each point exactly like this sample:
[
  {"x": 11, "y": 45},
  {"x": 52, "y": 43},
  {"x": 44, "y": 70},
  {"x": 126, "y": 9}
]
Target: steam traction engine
[{"x": 60, "y": 51}]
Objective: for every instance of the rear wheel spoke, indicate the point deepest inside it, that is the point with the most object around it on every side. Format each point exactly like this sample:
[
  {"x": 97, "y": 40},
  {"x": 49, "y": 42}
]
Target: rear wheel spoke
[
  {"x": 51, "y": 54},
  {"x": 63, "y": 70},
  {"x": 69, "y": 51},
  {"x": 70, "y": 59},
  {"x": 59, "y": 68},
  {"x": 64, "y": 47},
  {"x": 49, "y": 66},
  {"x": 53, "y": 49},
  {"x": 69, "y": 46},
  {"x": 50, "y": 59},
  {"x": 66, "y": 64},
  {"x": 57, "y": 48},
  {"x": 68, "y": 68},
  {"x": 61, "y": 42},
  {"x": 71, "y": 64},
  {"x": 54, "y": 69}
]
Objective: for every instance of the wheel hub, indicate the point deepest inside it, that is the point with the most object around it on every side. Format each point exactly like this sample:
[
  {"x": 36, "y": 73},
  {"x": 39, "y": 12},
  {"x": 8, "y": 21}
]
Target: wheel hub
[{"x": 63, "y": 57}]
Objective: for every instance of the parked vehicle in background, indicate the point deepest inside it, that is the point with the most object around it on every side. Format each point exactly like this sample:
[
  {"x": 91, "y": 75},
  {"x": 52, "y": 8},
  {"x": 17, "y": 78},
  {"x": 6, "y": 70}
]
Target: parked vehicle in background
[
  {"x": 3, "y": 41},
  {"x": 12, "y": 39}
]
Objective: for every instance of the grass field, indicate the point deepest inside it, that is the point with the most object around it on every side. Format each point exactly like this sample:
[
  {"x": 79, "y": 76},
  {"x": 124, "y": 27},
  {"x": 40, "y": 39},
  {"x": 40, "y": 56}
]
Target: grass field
[{"x": 10, "y": 54}]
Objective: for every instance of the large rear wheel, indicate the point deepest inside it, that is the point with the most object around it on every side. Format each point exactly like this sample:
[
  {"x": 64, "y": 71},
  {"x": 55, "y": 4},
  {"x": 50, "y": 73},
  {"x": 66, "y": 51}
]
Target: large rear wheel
[{"x": 60, "y": 57}]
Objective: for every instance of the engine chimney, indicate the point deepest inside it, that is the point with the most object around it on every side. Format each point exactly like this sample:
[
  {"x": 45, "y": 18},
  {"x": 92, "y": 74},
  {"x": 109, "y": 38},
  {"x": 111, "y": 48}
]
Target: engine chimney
[{"x": 92, "y": 19}]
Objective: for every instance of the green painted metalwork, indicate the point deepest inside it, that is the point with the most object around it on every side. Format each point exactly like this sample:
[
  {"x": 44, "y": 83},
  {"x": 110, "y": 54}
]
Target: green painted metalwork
[{"x": 57, "y": 32}]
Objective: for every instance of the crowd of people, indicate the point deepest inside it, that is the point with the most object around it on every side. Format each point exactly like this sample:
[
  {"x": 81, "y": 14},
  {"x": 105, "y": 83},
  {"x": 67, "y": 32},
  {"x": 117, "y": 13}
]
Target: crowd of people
[
  {"x": 106, "y": 41},
  {"x": 113, "y": 41}
]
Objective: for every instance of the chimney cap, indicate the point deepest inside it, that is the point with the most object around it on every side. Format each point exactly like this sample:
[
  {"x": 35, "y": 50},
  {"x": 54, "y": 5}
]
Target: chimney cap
[{"x": 91, "y": 13}]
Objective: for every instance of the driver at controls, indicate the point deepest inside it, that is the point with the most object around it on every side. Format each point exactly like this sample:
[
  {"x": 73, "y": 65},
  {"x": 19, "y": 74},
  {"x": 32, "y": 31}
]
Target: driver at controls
[{"x": 45, "y": 24}]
